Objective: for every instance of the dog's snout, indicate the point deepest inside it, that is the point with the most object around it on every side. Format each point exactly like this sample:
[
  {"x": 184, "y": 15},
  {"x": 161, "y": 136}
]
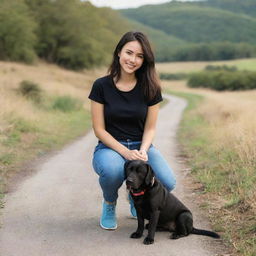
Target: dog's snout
[{"x": 129, "y": 180}]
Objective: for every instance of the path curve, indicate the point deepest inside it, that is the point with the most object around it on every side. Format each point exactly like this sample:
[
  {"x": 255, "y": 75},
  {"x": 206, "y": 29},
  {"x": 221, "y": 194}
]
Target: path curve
[{"x": 56, "y": 211}]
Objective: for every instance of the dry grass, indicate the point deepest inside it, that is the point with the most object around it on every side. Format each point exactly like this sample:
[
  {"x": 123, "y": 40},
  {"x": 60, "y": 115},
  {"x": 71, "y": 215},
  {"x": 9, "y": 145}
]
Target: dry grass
[
  {"x": 190, "y": 66},
  {"x": 28, "y": 130},
  {"x": 230, "y": 170},
  {"x": 51, "y": 78},
  {"x": 232, "y": 119}
]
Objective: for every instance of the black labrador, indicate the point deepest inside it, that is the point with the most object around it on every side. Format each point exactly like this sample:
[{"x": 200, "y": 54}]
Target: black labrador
[{"x": 154, "y": 203}]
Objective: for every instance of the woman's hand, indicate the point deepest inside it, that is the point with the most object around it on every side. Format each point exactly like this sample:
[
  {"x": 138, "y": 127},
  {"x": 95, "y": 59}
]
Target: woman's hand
[
  {"x": 135, "y": 155},
  {"x": 144, "y": 154}
]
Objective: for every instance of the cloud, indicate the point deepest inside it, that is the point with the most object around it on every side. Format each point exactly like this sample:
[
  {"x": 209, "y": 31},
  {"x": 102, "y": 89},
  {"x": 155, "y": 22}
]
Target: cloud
[{"x": 117, "y": 4}]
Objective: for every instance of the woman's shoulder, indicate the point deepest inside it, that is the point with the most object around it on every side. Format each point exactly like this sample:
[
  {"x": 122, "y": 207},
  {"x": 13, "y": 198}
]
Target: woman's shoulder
[{"x": 103, "y": 80}]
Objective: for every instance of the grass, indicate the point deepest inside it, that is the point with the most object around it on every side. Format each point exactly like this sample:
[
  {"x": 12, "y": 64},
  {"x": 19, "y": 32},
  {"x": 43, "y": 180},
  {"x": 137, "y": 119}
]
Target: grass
[
  {"x": 42, "y": 108},
  {"x": 188, "y": 67},
  {"x": 226, "y": 172},
  {"x": 217, "y": 134},
  {"x": 26, "y": 141}
]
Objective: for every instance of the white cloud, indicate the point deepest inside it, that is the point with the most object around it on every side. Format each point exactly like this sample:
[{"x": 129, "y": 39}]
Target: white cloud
[{"x": 119, "y": 4}]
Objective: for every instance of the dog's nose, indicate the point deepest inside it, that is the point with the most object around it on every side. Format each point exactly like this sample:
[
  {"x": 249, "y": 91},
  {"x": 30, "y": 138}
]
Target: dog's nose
[{"x": 129, "y": 180}]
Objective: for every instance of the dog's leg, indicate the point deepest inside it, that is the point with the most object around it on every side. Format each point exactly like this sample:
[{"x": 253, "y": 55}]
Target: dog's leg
[
  {"x": 139, "y": 232},
  {"x": 184, "y": 225},
  {"x": 154, "y": 217}
]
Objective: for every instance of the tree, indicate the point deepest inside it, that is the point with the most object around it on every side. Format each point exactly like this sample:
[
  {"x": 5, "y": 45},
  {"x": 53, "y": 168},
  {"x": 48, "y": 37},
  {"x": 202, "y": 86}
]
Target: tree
[{"x": 17, "y": 32}]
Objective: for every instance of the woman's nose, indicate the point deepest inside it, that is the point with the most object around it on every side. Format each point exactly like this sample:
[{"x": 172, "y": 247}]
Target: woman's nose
[{"x": 132, "y": 58}]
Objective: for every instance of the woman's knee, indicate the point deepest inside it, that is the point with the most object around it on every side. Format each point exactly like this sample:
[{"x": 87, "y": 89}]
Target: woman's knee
[
  {"x": 170, "y": 184},
  {"x": 161, "y": 169},
  {"x": 107, "y": 162}
]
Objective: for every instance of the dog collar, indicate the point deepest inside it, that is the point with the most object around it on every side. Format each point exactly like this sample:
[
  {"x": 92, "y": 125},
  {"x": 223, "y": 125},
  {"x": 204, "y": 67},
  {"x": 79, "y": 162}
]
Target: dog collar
[{"x": 141, "y": 193}]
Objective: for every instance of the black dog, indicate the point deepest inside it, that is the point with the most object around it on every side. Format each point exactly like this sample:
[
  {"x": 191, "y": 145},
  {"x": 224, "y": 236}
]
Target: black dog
[{"x": 154, "y": 203}]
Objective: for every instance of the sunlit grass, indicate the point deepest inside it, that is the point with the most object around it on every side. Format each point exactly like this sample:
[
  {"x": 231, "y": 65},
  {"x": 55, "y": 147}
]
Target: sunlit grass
[
  {"x": 218, "y": 133},
  {"x": 30, "y": 127},
  {"x": 190, "y": 66}
]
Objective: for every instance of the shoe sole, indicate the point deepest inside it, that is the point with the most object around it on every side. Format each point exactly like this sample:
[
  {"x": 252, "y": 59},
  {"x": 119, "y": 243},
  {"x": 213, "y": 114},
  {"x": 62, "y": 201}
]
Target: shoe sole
[{"x": 114, "y": 228}]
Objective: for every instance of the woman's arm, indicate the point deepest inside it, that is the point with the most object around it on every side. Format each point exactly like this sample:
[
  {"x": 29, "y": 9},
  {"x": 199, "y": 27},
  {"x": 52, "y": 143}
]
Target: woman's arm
[
  {"x": 97, "y": 112},
  {"x": 150, "y": 128}
]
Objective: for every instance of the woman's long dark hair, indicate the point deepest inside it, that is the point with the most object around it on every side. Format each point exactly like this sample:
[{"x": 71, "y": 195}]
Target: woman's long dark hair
[{"x": 146, "y": 74}]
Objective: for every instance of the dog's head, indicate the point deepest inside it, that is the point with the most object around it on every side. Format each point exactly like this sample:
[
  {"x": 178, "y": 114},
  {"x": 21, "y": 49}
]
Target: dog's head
[{"x": 139, "y": 175}]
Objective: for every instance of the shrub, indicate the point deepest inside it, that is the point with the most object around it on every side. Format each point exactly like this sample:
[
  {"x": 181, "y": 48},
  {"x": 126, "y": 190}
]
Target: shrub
[
  {"x": 223, "y": 80},
  {"x": 66, "y": 104},
  {"x": 30, "y": 90},
  {"x": 176, "y": 76},
  {"x": 219, "y": 68}
]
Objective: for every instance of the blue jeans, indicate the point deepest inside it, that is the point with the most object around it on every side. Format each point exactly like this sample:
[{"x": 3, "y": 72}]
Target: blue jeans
[{"x": 109, "y": 165}]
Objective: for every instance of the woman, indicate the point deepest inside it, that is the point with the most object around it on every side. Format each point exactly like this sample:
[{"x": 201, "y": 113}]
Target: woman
[{"x": 124, "y": 107}]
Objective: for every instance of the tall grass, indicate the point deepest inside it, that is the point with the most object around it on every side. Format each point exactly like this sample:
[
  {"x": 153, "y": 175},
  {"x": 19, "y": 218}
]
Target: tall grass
[
  {"x": 218, "y": 135},
  {"x": 42, "y": 107}
]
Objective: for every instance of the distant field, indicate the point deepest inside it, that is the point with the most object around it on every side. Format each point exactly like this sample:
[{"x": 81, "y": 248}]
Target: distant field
[{"x": 187, "y": 67}]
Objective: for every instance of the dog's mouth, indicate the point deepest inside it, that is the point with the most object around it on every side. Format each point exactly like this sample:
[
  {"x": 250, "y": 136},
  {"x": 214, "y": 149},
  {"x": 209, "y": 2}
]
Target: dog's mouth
[
  {"x": 129, "y": 187},
  {"x": 137, "y": 192},
  {"x": 134, "y": 190}
]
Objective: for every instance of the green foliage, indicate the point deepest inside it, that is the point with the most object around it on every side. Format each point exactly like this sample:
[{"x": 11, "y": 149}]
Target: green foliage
[
  {"x": 6, "y": 159},
  {"x": 224, "y": 80},
  {"x": 17, "y": 38},
  {"x": 163, "y": 45},
  {"x": 66, "y": 104},
  {"x": 237, "y": 6},
  {"x": 75, "y": 34},
  {"x": 208, "y": 31},
  {"x": 213, "y": 51},
  {"x": 30, "y": 90},
  {"x": 219, "y": 68},
  {"x": 175, "y": 76},
  {"x": 194, "y": 23}
]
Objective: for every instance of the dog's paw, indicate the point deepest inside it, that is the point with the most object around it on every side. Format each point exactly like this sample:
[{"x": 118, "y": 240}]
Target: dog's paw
[
  {"x": 175, "y": 236},
  {"x": 148, "y": 241},
  {"x": 136, "y": 235}
]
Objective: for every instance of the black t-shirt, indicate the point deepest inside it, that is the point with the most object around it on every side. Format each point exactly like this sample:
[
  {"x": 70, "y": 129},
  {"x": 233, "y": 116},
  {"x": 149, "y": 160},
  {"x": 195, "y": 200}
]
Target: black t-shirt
[{"x": 124, "y": 112}]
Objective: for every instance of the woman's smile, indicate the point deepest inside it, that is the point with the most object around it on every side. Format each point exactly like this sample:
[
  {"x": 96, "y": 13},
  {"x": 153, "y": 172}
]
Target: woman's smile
[{"x": 131, "y": 57}]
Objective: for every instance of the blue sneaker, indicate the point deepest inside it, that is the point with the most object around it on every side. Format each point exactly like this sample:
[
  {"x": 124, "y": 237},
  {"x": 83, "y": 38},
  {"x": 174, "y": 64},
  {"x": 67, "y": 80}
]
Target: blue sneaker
[
  {"x": 108, "y": 217},
  {"x": 132, "y": 207}
]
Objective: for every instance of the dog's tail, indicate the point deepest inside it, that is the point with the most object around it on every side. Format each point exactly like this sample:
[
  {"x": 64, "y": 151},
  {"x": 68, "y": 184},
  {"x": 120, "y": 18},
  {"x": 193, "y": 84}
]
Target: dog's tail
[{"x": 204, "y": 233}]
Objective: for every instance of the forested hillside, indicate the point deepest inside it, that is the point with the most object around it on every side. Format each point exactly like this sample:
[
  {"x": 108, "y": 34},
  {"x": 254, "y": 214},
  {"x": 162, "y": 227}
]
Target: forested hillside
[
  {"x": 165, "y": 46},
  {"x": 196, "y": 23},
  {"x": 212, "y": 29},
  {"x": 77, "y": 35},
  {"x": 237, "y": 6},
  {"x": 71, "y": 33}
]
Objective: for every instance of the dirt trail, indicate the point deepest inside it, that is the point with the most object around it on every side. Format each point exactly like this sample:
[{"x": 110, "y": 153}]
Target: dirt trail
[{"x": 56, "y": 211}]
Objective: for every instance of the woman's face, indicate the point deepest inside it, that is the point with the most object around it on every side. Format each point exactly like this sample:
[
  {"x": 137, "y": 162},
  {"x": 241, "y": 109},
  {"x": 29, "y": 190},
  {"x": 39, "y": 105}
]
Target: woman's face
[{"x": 131, "y": 57}]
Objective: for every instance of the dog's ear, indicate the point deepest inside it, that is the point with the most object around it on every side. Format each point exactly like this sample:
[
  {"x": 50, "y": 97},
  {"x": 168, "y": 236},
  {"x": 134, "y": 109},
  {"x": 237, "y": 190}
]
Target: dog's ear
[
  {"x": 126, "y": 163},
  {"x": 125, "y": 167},
  {"x": 150, "y": 175}
]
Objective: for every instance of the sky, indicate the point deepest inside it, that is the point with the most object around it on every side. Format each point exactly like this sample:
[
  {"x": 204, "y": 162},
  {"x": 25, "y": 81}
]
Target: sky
[{"x": 120, "y": 4}]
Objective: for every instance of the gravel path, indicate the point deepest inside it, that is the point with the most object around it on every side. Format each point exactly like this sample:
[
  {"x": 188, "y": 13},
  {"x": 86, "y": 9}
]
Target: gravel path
[{"x": 56, "y": 211}]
